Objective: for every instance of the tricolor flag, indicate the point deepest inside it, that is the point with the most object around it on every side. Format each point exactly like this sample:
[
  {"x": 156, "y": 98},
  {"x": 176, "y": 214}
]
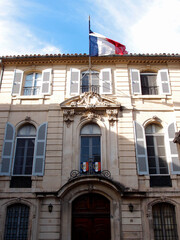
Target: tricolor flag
[
  {"x": 97, "y": 166},
  {"x": 85, "y": 166},
  {"x": 101, "y": 45}
]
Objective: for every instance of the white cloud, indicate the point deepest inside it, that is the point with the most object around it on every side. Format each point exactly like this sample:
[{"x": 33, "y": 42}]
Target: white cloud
[
  {"x": 159, "y": 29},
  {"x": 15, "y": 37},
  {"x": 151, "y": 26}
]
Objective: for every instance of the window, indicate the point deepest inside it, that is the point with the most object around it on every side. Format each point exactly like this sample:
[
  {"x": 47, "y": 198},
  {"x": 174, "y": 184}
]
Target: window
[
  {"x": 156, "y": 150},
  {"x": 152, "y": 153},
  {"x": 99, "y": 82},
  {"x": 90, "y": 149},
  {"x": 150, "y": 83},
  {"x": 24, "y": 154},
  {"x": 33, "y": 83},
  {"x": 157, "y": 162},
  {"x": 90, "y": 81},
  {"x": 164, "y": 222},
  {"x": 16, "y": 226}
]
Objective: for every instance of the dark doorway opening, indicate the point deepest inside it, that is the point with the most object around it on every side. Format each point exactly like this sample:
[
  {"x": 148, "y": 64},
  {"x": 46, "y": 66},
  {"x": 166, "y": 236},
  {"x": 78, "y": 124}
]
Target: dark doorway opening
[{"x": 91, "y": 217}]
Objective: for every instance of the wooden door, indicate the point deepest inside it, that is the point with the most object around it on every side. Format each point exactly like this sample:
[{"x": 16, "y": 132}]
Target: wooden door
[{"x": 91, "y": 218}]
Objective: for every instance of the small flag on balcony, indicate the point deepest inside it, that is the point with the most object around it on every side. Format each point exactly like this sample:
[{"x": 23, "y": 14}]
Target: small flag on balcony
[
  {"x": 85, "y": 166},
  {"x": 97, "y": 166},
  {"x": 101, "y": 45}
]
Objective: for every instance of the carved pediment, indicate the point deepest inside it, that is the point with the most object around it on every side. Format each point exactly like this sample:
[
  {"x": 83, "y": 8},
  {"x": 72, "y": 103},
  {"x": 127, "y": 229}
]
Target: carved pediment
[{"x": 89, "y": 100}]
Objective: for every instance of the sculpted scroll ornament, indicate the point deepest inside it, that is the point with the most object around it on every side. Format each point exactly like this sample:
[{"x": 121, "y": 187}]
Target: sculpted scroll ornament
[
  {"x": 68, "y": 116},
  {"x": 112, "y": 115}
]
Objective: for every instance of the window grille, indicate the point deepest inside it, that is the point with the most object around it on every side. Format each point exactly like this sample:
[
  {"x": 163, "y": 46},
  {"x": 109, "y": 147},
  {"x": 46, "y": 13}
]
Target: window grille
[
  {"x": 164, "y": 222},
  {"x": 16, "y": 226}
]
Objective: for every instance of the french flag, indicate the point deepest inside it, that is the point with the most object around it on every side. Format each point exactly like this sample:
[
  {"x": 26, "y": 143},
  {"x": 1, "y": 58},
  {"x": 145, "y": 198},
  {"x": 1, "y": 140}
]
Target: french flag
[
  {"x": 97, "y": 166},
  {"x": 85, "y": 166},
  {"x": 101, "y": 45}
]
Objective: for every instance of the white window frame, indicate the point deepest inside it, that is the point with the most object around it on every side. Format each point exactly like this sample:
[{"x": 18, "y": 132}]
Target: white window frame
[{"x": 33, "y": 83}]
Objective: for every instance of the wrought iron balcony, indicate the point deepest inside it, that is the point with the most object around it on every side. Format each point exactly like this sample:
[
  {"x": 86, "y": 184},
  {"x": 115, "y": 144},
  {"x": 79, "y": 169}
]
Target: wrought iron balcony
[
  {"x": 30, "y": 91},
  {"x": 76, "y": 173},
  {"x": 88, "y": 88}
]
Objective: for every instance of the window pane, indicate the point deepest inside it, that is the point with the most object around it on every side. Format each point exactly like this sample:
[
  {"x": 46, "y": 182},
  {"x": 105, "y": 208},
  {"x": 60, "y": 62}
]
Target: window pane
[
  {"x": 91, "y": 129},
  {"x": 27, "y": 130},
  {"x": 156, "y": 150},
  {"x": 24, "y": 156},
  {"x": 85, "y": 82},
  {"x": 33, "y": 84},
  {"x": 149, "y": 84}
]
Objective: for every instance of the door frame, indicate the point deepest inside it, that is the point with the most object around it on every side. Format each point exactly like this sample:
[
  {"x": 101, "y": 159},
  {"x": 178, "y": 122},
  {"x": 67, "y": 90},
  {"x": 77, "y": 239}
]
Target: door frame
[
  {"x": 73, "y": 189},
  {"x": 91, "y": 215}
]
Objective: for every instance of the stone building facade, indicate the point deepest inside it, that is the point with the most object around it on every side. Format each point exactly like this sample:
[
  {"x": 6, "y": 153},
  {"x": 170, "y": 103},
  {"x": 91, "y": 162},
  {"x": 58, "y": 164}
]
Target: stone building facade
[{"x": 90, "y": 153}]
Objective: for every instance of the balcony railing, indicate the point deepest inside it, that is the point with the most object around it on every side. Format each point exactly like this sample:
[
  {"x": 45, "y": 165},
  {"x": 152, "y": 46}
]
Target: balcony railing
[
  {"x": 88, "y": 88},
  {"x": 29, "y": 91},
  {"x": 75, "y": 174}
]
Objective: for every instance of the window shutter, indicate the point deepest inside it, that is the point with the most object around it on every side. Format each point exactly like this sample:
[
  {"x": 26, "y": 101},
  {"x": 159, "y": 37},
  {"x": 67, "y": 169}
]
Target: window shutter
[
  {"x": 136, "y": 81},
  {"x": 106, "y": 81},
  {"x": 40, "y": 150},
  {"x": 7, "y": 152},
  {"x": 163, "y": 78},
  {"x": 46, "y": 81},
  {"x": 175, "y": 164},
  {"x": 141, "y": 152},
  {"x": 18, "y": 76},
  {"x": 75, "y": 80}
]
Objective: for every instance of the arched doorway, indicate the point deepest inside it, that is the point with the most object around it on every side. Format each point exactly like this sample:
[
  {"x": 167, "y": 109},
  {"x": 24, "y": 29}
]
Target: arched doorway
[{"x": 91, "y": 217}]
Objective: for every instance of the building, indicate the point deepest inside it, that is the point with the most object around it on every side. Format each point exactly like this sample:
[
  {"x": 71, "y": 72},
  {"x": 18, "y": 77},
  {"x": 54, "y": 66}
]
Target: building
[{"x": 90, "y": 154}]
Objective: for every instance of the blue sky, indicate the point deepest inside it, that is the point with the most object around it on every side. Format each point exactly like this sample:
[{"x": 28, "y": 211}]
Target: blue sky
[{"x": 61, "y": 26}]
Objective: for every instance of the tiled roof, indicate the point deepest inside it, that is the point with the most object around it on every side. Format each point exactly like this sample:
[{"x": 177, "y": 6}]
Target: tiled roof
[{"x": 74, "y": 55}]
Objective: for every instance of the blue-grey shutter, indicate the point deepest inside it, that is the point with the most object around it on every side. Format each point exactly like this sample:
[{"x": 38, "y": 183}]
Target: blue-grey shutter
[
  {"x": 40, "y": 150},
  {"x": 175, "y": 163},
  {"x": 18, "y": 76},
  {"x": 141, "y": 151},
  {"x": 106, "y": 81},
  {"x": 135, "y": 81},
  {"x": 7, "y": 153},
  {"x": 74, "y": 81},
  {"x": 163, "y": 78},
  {"x": 46, "y": 81}
]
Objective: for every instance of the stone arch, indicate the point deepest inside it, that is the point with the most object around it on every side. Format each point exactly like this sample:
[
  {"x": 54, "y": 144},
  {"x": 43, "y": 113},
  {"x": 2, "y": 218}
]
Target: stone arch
[{"x": 91, "y": 184}]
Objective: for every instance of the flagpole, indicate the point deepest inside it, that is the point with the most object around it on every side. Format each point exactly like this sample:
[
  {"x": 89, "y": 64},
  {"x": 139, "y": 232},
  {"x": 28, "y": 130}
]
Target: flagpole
[{"x": 90, "y": 77}]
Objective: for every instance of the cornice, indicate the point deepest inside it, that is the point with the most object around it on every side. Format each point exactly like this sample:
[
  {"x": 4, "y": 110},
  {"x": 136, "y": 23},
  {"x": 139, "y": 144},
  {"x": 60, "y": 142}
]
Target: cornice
[{"x": 84, "y": 59}]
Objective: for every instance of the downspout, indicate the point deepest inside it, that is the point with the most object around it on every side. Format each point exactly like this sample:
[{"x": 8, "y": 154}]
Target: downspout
[{"x": 2, "y": 72}]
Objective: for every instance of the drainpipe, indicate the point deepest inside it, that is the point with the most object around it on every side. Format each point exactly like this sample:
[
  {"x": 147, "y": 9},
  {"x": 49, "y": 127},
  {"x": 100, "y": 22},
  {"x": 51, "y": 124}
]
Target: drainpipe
[{"x": 2, "y": 71}]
